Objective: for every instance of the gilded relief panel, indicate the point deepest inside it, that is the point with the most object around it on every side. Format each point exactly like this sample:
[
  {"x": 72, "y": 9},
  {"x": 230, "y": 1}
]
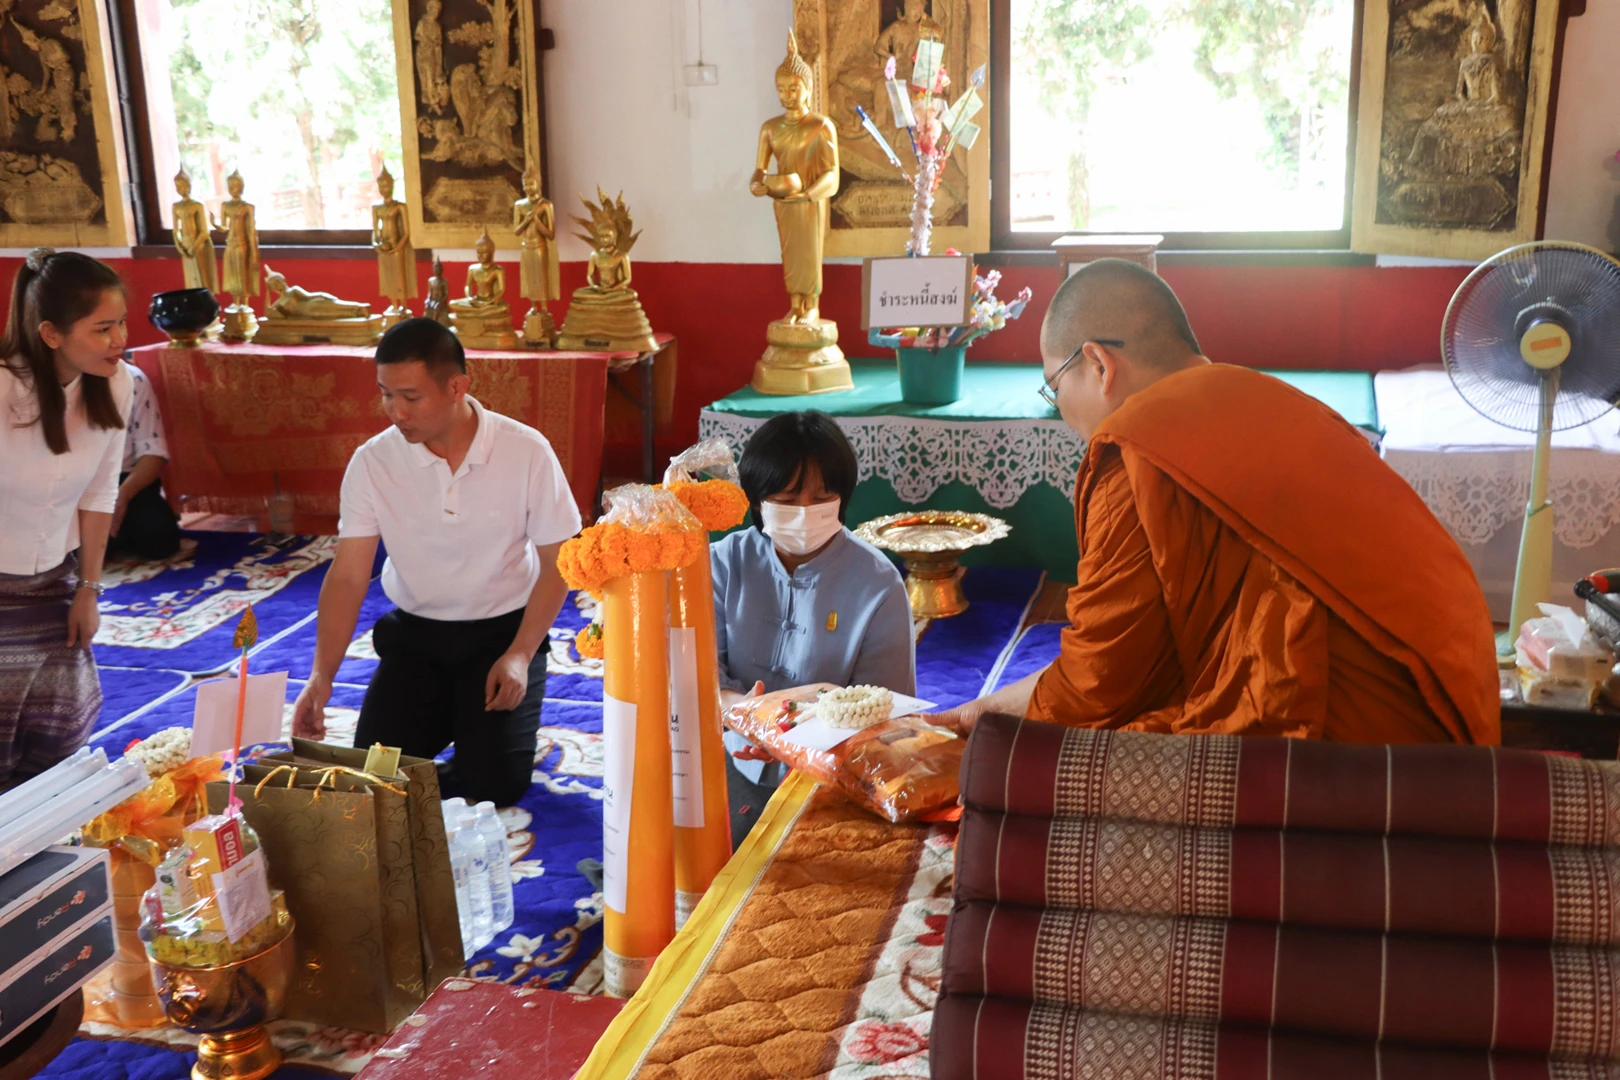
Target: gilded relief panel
[
  {"x": 1452, "y": 126},
  {"x": 470, "y": 108},
  {"x": 847, "y": 43},
  {"x": 59, "y": 159}
]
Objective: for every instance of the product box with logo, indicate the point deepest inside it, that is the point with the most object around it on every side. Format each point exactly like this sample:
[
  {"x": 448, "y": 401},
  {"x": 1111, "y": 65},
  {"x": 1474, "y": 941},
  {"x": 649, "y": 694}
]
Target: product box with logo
[{"x": 56, "y": 931}]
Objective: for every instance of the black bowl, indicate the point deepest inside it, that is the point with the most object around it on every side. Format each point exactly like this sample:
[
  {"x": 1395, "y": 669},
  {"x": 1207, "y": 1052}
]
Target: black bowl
[{"x": 183, "y": 314}]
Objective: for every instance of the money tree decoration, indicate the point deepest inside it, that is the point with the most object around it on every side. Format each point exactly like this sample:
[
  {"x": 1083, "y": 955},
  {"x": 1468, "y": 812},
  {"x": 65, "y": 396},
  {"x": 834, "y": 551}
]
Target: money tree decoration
[{"x": 934, "y": 127}]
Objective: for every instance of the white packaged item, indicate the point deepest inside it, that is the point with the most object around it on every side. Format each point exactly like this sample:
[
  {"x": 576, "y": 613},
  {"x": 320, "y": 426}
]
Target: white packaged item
[
  {"x": 1559, "y": 644},
  {"x": 48, "y": 822},
  {"x": 500, "y": 865},
  {"x": 34, "y": 791}
]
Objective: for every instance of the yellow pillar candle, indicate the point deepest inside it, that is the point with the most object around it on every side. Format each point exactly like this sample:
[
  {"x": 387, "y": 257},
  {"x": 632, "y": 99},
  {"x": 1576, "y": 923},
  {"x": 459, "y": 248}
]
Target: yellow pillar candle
[
  {"x": 638, "y": 865},
  {"x": 702, "y": 814}
]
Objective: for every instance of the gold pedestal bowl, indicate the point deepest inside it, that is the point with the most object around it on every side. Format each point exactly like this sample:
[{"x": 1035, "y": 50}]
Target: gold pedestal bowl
[
  {"x": 228, "y": 1005},
  {"x": 931, "y": 543}
]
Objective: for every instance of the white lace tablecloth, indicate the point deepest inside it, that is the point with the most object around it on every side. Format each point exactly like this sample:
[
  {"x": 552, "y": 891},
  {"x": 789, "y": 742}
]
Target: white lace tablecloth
[
  {"x": 1001, "y": 460},
  {"x": 1475, "y": 476}
]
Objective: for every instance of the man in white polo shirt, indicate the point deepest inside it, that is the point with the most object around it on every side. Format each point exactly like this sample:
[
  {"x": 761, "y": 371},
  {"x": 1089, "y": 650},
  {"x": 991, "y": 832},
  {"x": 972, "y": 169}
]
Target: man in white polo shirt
[{"x": 471, "y": 507}]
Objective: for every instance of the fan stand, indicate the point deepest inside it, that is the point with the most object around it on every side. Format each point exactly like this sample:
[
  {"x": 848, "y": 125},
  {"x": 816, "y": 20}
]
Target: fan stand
[{"x": 1532, "y": 578}]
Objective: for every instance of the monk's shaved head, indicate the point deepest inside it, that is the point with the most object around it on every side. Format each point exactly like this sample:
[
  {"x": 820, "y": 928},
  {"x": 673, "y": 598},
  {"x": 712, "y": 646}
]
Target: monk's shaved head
[{"x": 1119, "y": 300}]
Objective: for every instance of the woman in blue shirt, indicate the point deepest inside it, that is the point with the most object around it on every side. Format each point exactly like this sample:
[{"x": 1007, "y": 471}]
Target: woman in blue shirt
[{"x": 797, "y": 598}]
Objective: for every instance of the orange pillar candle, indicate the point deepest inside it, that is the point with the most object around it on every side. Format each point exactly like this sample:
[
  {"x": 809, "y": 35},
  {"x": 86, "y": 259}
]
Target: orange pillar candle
[
  {"x": 702, "y": 814},
  {"x": 638, "y": 864}
]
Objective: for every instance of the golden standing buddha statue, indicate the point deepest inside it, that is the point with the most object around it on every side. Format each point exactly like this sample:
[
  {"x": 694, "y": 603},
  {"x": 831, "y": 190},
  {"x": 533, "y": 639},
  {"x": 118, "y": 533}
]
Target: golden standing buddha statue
[
  {"x": 396, "y": 259},
  {"x": 483, "y": 318},
  {"x": 198, "y": 259},
  {"x": 606, "y": 313},
  {"x": 535, "y": 223},
  {"x": 241, "y": 262},
  {"x": 801, "y": 352}
]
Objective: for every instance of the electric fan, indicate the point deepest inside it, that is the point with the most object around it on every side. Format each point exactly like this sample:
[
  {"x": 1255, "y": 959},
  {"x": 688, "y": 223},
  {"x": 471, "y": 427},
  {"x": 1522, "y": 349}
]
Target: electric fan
[{"x": 1531, "y": 340}]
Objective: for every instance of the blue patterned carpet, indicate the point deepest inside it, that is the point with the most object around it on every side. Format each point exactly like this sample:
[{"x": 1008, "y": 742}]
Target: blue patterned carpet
[{"x": 557, "y": 936}]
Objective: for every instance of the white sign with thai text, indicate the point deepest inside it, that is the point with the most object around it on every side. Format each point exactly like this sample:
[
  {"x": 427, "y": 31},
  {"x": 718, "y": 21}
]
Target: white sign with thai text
[{"x": 934, "y": 290}]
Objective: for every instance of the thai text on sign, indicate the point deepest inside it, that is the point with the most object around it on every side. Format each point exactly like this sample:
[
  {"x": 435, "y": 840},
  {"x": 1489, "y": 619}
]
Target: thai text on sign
[{"x": 933, "y": 290}]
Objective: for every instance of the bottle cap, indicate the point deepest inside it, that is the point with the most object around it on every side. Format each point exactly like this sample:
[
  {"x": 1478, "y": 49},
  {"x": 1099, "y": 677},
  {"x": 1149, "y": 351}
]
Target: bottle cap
[
  {"x": 485, "y": 807},
  {"x": 467, "y": 821}
]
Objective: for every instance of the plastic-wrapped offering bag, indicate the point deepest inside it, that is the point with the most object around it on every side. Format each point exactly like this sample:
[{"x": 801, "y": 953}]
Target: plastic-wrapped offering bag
[{"x": 900, "y": 768}]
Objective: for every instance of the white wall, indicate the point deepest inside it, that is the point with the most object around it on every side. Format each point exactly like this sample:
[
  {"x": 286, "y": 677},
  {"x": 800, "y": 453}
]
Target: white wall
[
  {"x": 1583, "y": 193},
  {"x": 620, "y": 114}
]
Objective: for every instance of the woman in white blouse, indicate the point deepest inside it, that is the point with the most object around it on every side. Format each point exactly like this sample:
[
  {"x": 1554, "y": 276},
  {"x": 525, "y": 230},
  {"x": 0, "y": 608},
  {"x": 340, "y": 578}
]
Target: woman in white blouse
[{"x": 65, "y": 395}]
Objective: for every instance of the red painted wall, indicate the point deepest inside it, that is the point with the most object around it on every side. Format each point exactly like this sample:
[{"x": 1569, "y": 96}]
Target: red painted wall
[{"x": 1287, "y": 317}]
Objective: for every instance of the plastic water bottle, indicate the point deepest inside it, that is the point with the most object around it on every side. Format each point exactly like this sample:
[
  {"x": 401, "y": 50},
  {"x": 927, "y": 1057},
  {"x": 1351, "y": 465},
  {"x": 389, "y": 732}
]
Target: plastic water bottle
[
  {"x": 477, "y": 863},
  {"x": 459, "y": 872},
  {"x": 453, "y": 809},
  {"x": 500, "y": 865}
]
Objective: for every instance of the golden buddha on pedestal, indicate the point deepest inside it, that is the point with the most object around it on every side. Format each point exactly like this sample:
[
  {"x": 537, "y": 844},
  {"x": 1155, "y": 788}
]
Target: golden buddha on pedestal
[
  {"x": 801, "y": 353},
  {"x": 535, "y": 222},
  {"x": 606, "y": 313},
  {"x": 437, "y": 306},
  {"x": 483, "y": 319},
  {"x": 295, "y": 316},
  {"x": 396, "y": 259},
  {"x": 241, "y": 262}
]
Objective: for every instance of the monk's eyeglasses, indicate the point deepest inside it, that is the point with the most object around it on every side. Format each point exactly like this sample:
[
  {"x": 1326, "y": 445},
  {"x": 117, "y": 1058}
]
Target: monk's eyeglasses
[{"x": 1048, "y": 390}]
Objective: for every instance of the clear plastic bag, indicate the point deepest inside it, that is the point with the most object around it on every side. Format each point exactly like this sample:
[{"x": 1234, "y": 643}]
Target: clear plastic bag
[
  {"x": 900, "y": 769},
  {"x": 646, "y": 508},
  {"x": 212, "y": 904},
  {"x": 711, "y": 459}
]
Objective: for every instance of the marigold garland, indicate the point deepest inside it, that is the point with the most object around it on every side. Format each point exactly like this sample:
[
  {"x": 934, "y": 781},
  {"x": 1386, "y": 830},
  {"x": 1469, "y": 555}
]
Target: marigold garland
[
  {"x": 609, "y": 550},
  {"x": 718, "y": 504},
  {"x": 588, "y": 643}
]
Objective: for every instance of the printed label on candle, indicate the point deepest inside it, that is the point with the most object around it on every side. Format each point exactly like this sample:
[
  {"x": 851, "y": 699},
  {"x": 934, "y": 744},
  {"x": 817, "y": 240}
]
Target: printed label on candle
[
  {"x": 685, "y": 727},
  {"x": 618, "y": 778}
]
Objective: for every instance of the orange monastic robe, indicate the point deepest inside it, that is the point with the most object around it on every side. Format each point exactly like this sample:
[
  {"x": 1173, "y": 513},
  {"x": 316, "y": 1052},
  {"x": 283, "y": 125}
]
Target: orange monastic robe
[{"x": 1249, "y": 565}]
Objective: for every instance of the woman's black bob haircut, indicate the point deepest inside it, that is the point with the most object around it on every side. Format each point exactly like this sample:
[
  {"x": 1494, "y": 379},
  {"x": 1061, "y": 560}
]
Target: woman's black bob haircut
[{"x": 773, "y": 461}]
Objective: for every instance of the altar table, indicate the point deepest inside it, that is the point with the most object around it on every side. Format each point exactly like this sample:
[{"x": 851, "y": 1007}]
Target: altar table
[
  {"x": 244, "y": 419},
  {"x": 999, "y": 450}
]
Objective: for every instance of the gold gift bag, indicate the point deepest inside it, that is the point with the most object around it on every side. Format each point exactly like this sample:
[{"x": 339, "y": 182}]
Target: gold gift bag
[
  {"x": 340, "y": 845},
  {"x": 430, "y": 850}
]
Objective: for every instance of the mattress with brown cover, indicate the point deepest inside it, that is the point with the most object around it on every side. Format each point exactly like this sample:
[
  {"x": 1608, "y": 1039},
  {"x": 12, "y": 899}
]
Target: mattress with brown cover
[{"x": 816, "y": 953}]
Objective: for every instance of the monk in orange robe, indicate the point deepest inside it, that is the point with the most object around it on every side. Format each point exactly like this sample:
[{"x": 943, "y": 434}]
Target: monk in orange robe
[{"x": 1248, "y": 563}]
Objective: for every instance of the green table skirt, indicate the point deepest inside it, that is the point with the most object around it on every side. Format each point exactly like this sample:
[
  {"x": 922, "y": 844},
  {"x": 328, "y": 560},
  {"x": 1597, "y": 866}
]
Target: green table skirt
[{"x": 998, "y": 450}]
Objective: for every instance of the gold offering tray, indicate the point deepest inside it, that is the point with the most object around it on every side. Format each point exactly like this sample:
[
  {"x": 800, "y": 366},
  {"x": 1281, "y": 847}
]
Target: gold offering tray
[{"x": 931, "y": 542}]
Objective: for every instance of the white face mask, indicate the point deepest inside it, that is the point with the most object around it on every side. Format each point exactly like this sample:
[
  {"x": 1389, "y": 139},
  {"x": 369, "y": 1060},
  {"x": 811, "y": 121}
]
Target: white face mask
[{"x": 799, "y": 530}]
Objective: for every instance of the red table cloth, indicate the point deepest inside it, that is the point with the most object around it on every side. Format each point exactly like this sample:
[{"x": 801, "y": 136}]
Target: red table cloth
[{"x": 241, "y": 418}]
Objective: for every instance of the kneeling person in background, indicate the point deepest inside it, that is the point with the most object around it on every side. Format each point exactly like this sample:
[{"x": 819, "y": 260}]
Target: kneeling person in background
[
  {"x": 143, "y": 523},
  {"x": 471, "y": 507}
]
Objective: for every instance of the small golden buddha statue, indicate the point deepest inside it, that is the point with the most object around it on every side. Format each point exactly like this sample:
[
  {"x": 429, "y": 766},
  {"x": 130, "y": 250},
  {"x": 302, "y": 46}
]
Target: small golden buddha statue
[
  {"x": 241, "y": 261},
  {"x": 483, "y": 318},
  {"x": 535, "y": 223},
  {"x": 801, "y": 348},
  {"x": 606, "y": 313},
  {"x": 396, "y": 259},
  {"x": 437, "y": 306},
  {"x": 198, "y": 259},
  {"x": 295, "y": 316}
]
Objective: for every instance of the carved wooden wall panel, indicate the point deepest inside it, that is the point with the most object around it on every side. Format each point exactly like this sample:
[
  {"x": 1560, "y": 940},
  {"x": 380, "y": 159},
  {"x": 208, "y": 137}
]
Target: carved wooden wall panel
[
  {"x": 1451, "y": 136},
  {"x": 470, "y": 109},
  {"x": 846, "y": 42},
  {"x": 61, "y": 155}
]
